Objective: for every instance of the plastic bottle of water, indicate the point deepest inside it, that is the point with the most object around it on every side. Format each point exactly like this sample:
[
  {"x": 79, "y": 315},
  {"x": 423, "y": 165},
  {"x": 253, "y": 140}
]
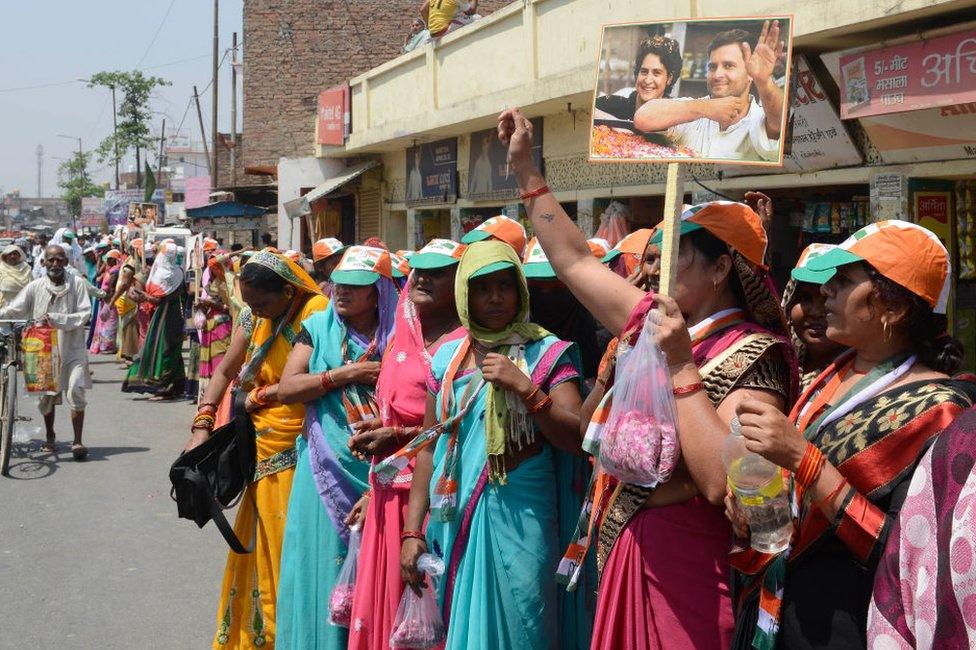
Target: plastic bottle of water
[{"x": 759, "y": 490}]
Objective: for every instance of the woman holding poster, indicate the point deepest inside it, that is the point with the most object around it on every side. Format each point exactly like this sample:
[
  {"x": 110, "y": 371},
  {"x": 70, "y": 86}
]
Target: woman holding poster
[{"x": 663, "y": 552}]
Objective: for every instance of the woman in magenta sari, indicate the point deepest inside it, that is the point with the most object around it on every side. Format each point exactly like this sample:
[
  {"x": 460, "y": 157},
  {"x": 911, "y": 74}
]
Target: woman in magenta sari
[
  {"x": 426, "y": 318},
  {"x": 663, "y": 553},
  {"x": 107, "y": 325}
]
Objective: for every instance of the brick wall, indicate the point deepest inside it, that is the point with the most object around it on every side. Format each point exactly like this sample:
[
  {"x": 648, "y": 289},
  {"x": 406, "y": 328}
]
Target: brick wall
[{"x": 293, "y": 49}]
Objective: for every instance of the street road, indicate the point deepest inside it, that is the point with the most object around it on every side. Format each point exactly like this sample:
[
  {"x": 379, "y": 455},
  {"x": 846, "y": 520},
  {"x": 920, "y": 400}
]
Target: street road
[{"x": 92, "y": 554}]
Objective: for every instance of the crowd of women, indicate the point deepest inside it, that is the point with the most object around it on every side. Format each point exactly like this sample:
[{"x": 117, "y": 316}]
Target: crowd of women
[{"x": 436, "y": 403}]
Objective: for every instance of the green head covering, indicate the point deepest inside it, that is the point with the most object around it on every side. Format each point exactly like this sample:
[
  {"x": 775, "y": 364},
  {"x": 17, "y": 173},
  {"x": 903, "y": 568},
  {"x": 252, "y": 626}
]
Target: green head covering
[{"x": 480, "y": 259}]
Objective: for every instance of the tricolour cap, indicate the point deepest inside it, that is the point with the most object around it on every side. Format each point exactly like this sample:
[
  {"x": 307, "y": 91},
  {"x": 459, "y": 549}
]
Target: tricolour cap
[
  {"x": 327, "y": 247},
  {"x": 536, "y": 264},
  {"x": 363, "y": 266},
  {"x": 501, "y": 228},
  {"x": 803, "y": 273},
  {"x": 734, "y": 223},
  {"x": 437, "y": 254},
  {"x": 907, "y": 254},
  {"x": 598, "y": 246},
  {"x": 632, "y": 244}
]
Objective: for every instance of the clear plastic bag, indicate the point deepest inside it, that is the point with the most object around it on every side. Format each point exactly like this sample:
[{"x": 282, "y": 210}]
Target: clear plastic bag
[
  {"x": 418, "y": 624},
  {"x": 340, "y": 602},
  {"x": 639, "y": 443}
]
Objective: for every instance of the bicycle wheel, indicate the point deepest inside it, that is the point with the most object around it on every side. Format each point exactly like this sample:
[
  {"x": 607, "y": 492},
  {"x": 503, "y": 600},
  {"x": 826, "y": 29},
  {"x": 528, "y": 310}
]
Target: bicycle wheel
[{"x": 8, "y": 406}]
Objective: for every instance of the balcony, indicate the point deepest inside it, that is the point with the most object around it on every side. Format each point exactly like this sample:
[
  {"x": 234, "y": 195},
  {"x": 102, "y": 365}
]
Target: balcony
[{"x": 541, "y": 55}]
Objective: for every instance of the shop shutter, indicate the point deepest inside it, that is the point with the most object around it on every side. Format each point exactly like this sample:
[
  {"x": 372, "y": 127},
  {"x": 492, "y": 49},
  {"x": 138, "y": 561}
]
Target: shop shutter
[{"x": 368, "y": 216}]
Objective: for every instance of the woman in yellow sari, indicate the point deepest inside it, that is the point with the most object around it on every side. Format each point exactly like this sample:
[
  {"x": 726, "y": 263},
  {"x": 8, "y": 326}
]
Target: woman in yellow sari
[{"x": 279, "y": 295}]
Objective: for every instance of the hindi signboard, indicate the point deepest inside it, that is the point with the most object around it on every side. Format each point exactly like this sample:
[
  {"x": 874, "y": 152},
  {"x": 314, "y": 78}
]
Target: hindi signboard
[
  {"x": 333, "y": 116},
  {"x": 691, "y": 91},
  {"x": 488, "y": 175},
  {"x": 939, "y": 71},
  {"x": 117, "y": 204},
  {"x": 432, "y": 173},
  {"x": 92, "y": 212}
]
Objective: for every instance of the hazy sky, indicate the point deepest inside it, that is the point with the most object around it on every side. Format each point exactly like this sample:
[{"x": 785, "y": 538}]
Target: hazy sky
[{"x": 56, "y": 41}]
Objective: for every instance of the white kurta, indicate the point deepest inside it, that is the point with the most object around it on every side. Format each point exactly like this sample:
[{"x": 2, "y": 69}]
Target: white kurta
[{"x": 68, "y": 308}]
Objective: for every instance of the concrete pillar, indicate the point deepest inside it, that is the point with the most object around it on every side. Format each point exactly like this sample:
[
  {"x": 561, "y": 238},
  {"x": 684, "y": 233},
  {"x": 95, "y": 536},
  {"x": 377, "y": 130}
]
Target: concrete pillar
[
  {"x": 411, "y": 229},
  {"x": 584, "y": 217},
  {"x": 456, "y": 224}
]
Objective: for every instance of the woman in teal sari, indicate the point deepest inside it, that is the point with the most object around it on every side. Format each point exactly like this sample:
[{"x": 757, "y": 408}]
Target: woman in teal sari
[
  {"x": 332, "y": 368},
  {"x": 509, "y": 395}
]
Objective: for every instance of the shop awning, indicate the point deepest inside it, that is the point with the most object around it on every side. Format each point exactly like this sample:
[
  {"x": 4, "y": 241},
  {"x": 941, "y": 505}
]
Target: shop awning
[
  {"x": 336, "y": 182},
  {"x": 225, "y": 209}
]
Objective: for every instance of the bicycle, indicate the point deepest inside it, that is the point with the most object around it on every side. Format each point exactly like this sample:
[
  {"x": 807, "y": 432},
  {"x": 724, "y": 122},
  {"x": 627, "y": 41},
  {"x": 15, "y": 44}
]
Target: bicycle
[{"x": 9, "y": 362}]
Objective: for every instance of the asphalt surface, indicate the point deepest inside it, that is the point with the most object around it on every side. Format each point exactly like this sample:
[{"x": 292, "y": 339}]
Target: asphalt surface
[{"x": 92, "y": 554}]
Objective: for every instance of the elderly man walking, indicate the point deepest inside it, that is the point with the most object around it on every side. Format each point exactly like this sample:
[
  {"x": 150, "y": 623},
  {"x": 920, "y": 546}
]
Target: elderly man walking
[{"x": 61, "y": 300}]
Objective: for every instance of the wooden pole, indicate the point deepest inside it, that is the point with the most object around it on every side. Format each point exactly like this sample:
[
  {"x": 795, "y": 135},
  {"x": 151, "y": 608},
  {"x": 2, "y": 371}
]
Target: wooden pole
[
  {"x": 213, "y": 110},
  {"x": 233, "y": 111},
  {"x": 203, "y": 136},
  {"x": 674, "y": 194}
]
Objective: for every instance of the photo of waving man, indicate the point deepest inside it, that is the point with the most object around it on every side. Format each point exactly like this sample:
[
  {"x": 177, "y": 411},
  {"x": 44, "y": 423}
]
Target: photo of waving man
[{"x": 709, "y": 90}]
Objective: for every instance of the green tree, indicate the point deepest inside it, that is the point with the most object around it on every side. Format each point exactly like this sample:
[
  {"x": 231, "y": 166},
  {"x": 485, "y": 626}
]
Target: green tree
[
  {"x": 133, "y": 113},
  {"x": 74, "y": 181}
]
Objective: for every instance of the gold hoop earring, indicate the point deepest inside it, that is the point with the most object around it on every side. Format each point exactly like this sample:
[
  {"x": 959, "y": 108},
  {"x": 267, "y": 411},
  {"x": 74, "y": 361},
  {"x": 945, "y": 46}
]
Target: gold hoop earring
[{"x": 886, "y": 331}]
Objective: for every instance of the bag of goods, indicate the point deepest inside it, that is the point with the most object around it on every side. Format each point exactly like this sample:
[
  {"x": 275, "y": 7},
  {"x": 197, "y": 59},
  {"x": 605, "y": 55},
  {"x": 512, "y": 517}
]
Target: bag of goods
[
  {"x": 418, "y": 623},
  {"x": 639, "y": 442},
  {"x": 340, "y": 602},
  {"x": 42, "y": 359}
]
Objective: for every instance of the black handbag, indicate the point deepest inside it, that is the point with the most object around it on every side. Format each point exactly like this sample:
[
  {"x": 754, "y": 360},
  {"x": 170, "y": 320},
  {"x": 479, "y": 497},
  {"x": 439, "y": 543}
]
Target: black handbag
[{"x": 213, "y": 476}]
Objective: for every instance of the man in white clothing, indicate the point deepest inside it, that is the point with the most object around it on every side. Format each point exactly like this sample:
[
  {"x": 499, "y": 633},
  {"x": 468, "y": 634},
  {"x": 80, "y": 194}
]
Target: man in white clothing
[
  {"x": 60, "y": 299},
  {"x": 729, "y": 124}
]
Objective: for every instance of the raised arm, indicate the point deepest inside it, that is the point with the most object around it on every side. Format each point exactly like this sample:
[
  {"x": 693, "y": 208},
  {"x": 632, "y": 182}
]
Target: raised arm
[
  {"x": 663, "y": 114},
  {"x": 760, "y": 64},
  {"x": 605, "y": 294}
]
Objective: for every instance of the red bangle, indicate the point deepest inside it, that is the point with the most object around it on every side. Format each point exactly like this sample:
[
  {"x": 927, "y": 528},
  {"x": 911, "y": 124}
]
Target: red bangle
[
  {"x": 326, "y": 381},
  {"x": 412, "y": 534},
  {"x": 688, "y": 388},
  {"x": 810, "y": 466},
  {"x": 539, "y": 191},
  {"x": 543, "y": 404}
]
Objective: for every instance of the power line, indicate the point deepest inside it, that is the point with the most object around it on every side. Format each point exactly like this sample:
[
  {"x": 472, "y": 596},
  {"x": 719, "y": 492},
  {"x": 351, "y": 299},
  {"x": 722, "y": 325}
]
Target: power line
[
  {"x": 156, "y": 35},
  {"x": 35, "y": 87}
]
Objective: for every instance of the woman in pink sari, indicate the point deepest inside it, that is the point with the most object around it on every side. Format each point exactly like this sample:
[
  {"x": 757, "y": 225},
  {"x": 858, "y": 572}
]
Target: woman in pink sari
[
  {"x": 426, "y": 318},
  {"x": 663, "y": 552},
  {"x": 107, "y": 325}
]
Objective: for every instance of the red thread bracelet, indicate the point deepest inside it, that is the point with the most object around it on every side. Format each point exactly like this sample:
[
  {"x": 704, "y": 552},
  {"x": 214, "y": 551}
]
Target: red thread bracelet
[
  {"x": 539, "y": 191},
  {"x": 412, "y": 534},
  {"x": 687, "y": 389}
]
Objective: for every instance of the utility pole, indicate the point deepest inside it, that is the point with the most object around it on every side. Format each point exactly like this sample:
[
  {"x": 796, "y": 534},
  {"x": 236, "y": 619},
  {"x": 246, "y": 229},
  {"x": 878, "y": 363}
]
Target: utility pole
[
  {"x": 115, "y": 137},
  {"x": 162, "y": 141},
  {"x": 40, "y": 171},
  {"x": 233, "y": 111},
  {"x": 203, "y": 136},
  {"x": 213, "y": 110}
]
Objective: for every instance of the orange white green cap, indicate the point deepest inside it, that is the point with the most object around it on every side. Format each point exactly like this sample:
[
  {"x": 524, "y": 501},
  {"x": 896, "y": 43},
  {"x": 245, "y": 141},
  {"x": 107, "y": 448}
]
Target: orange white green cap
[
  {"x": 802, "y": 271},
  {"x": 501, "y": 228},
  {"x": 363, "y": 266},
  {"x": 598, "y": 246},
  {"x": 437, "y": 254},
  {"x": 327, "y": 247},
  {"x": 632, "y": 244},
  {"x": 535, "y": 264},
  {"x": 401, "y": 265},
  {"x": 907, "y": 254},
  {"x": 734, "y": 223}
]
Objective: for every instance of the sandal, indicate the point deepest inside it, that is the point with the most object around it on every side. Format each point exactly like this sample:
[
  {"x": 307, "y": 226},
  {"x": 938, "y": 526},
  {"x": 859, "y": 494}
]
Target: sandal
[
  {"x": 49, "y": 446},
  {"x": 79, "y": 452}
]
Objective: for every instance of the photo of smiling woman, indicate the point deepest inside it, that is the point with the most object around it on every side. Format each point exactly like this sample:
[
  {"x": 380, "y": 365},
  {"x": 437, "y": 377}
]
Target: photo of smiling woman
[{"x": 657, "y": 67}]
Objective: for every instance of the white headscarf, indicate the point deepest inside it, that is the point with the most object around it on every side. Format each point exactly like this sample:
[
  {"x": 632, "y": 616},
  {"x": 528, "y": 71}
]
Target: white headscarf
[
  {"x": 166, "y": 276},
  {"x": 14, "y": 277}
]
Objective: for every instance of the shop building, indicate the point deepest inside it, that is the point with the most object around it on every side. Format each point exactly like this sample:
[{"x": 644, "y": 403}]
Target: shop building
[{"x": 423, "y": 117}]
